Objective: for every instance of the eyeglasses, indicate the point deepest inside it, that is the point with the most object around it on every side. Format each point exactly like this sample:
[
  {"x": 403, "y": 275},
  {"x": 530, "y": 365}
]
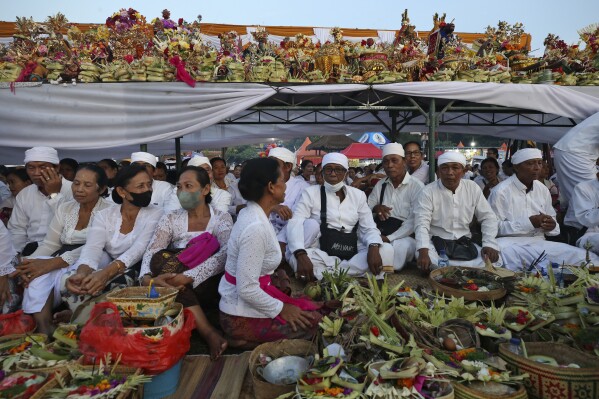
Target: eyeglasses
[
  {"x": 338, "y": 171},
  {"x": 413, "y": 153}
]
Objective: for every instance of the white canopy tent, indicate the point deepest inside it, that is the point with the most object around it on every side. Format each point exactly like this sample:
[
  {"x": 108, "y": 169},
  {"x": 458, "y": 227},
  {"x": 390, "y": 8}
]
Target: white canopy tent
[{"x": 93, "y": 121}]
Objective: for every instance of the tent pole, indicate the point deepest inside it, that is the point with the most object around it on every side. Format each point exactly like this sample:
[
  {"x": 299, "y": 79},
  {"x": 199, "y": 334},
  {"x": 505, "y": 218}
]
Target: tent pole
[
  {"x": 394, "y": 134},
  {"x": 143, "y": 147},
  {"x": 223, "y": 151},
  {"x": 178, "y": 153},
  {"x": 432, "y": 126}
]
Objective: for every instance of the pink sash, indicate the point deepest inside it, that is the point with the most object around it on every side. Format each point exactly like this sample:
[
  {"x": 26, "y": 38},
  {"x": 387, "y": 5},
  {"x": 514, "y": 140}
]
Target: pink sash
[{"x": 266, "y": 286}]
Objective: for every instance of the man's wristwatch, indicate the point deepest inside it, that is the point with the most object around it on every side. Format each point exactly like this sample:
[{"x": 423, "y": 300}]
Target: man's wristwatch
[{"x": 374, "y": 245}]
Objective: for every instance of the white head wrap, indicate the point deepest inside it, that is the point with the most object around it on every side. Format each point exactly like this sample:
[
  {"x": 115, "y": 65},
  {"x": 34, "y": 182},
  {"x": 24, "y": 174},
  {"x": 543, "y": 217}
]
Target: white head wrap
[
  {"x": 143, "y": 157},
  {"x": 335, "y": 157},
  {"x": 526, "y": 154},
  {"x": 42, "y": 154},
  {"x": 393, "y": 148},
  {"x": 199, "y": 161},
  {"x": 283, "y": 154},
  {"x": 452, "y": 156}
]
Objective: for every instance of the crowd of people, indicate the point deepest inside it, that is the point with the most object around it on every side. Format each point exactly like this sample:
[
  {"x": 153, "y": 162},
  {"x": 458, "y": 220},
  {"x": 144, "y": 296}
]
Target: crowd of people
[{"x": 229, "y": 238}]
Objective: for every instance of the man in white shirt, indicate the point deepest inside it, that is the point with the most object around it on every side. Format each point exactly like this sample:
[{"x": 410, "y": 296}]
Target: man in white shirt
[
  {"x": 523, "y": 206},
  {"x": 347, "y": 213},
  {"x": 417, "y": 167},
  {"x": 397, "y": 201},
  {"x": 163, "y": 193},
  {"x": 584, "y": 212},
  {"x": 35, "y": 205},
  {"x": 445, "y": 209},
  {"x": 221, "y": 199},
  {"x": 294, "y": 188},
  {"x": 575, "y": 156}
]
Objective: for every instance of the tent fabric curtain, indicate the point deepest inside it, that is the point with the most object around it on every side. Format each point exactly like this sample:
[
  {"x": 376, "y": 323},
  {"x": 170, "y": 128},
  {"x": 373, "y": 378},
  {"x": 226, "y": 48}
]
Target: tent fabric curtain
[
  {"x": 92, "y": 121},
  {"x": 110, "y": 115},
  {"x": 545, "y": 98}
]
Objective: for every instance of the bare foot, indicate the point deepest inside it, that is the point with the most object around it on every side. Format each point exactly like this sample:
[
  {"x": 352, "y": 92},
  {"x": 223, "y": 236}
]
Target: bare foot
[
  {"x": 216, "y": 344},
  {"x": 63, "y": 316}
]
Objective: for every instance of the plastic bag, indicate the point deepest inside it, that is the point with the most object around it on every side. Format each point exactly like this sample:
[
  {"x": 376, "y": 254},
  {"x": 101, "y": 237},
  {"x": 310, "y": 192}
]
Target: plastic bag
[
  {"x": 104, "y": 333},
  {"x": 16, "y": 323}
]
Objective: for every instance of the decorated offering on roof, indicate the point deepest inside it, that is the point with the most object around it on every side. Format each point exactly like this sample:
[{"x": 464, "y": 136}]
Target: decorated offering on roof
[{"x": 128, "y": 48}]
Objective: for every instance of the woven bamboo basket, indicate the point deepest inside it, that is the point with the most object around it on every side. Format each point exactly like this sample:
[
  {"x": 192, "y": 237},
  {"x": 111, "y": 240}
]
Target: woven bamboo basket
[
  {"x": 286, "y": 347},
  {"x": 133, "y": 301},
  {"x": 550, "y": 382},
  {"x": 462, "y": 391},
  {"x": 490, "y": 295}
]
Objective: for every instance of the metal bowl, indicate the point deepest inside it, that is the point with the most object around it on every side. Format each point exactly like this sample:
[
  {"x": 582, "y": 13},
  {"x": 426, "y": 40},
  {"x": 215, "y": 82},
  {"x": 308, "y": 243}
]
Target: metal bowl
[{"x": 285, "y": 370}]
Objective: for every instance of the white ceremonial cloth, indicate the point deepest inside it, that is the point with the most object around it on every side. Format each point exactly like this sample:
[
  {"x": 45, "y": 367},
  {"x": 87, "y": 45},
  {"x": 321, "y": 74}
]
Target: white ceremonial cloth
[
  {"x": 33, "y": 212},
  {"x": 402, "y": 201},
  {"x": 253, "y": 252},
  {"x": 440, "y": 212},
  {"x": 519, "y": 240},
  {"x": 104, "y": 236}
]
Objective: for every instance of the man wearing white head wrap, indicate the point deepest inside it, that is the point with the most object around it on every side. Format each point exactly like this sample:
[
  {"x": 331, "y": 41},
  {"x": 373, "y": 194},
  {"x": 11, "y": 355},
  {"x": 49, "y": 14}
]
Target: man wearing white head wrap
[
  {"x": 392, "y": 202},
  {"x": 524, "y": 208},
  {"x": 294, "y": 187},
  {"x": 35, "y": 205},
  {"x": 346, "y": 209},
  {"x": 221, "y": 199},
  {"x": 445, "y": 210},
  {"x": 163, "y": 193}
]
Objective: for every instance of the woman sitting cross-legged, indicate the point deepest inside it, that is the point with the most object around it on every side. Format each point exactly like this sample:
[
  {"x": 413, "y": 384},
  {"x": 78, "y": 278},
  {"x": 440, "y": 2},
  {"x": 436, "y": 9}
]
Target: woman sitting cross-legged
[
  {"x": 41, "y": 272},
  {"x": 252, "y": 310},
  {"x": 189, "y": 250},
  {"x": 123, "y": 232}
]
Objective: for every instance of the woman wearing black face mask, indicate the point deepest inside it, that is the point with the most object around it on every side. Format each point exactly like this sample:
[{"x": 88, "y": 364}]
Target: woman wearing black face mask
[{"x": 123, "y": 232}]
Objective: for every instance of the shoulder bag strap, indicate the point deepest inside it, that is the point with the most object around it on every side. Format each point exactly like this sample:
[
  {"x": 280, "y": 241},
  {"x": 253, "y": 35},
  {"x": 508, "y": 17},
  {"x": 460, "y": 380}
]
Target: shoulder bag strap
[
  {"x": 323, "y": 208},
  {"x": 382, "y": 193}
]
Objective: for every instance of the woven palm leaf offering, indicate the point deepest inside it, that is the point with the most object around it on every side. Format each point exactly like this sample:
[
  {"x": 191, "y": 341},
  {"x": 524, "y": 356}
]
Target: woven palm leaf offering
[
  {"x": 470, "y": 283},
  {"x": 104, "y": 381},
  {"x": 32, "y": 353}
]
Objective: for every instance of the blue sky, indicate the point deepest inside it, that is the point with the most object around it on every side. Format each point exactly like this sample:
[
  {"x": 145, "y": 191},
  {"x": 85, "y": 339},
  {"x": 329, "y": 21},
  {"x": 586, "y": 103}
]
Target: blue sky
[{"x": 563, "y": 18}]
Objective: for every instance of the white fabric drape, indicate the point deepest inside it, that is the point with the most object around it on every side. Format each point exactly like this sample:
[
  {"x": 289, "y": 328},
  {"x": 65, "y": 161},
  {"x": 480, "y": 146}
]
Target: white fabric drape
[
  {"x": 93, "y": 121},
  {"x": 323, "y": 35},
  {"x": 89, "y": 116},
  {"x": 386, "y": 36},
  {"x": 550, "y": 99}
]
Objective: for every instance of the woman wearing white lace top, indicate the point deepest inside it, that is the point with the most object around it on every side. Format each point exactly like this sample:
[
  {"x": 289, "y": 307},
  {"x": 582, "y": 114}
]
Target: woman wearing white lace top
[
  {"x": 182, "y": 229},
  {"x": 123, "y": 232},
  {"x": 41, "y": 272},
  {"x": 252, "y": 310}
]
